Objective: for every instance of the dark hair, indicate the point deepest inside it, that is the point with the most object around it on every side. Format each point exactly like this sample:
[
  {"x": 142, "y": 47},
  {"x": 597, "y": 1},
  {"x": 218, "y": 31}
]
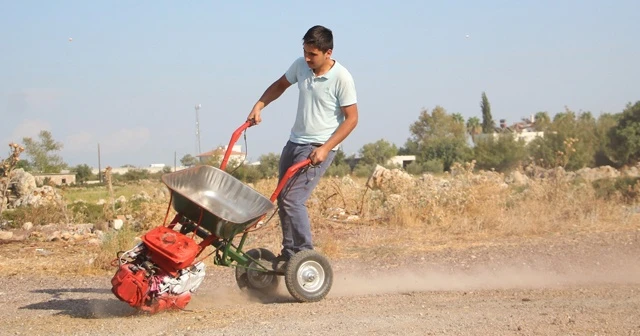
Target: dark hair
[{"x": 319, "y": 37}]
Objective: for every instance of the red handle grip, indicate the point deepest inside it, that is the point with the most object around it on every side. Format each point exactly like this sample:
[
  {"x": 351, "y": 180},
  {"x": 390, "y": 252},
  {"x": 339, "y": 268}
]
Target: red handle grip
[
  {"x": 234, "y": 138},
  {"x": 290, "y": 172}
]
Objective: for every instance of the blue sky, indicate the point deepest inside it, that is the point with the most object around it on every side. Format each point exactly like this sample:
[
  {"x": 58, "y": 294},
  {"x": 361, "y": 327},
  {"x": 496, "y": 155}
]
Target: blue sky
[{"x": 134, "y": 71}]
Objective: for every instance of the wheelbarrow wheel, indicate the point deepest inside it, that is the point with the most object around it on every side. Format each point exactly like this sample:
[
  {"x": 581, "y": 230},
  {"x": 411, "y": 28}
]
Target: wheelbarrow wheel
[
  {"x": 255, "y": 280},
  {"x": 308, "y": 276}
]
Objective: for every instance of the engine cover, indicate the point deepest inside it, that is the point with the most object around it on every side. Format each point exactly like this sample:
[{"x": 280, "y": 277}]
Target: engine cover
[
  {"x": 169, "y": 249},
  {"x": 189, "y": 279},
  {"x": 130, "y": 284}
]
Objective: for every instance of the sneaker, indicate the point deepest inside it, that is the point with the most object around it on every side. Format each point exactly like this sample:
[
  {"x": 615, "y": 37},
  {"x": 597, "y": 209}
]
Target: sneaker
[{"x": 280, "y": 263}]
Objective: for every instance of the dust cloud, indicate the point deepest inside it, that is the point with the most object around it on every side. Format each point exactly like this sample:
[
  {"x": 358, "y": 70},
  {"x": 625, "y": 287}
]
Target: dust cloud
[{"x": 356, "y": 283}]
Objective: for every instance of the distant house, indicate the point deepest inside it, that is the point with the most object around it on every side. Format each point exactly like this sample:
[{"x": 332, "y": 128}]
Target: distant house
[
  {"x": 401, "y": 160},
  {"x": 236, "y": 154},
  {"x": 523, "y": 130},
  {"x": 57, "y": 179}
]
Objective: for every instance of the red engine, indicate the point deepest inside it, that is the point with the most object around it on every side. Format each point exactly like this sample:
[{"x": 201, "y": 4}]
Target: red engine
[{"x": 159, "y": 273}]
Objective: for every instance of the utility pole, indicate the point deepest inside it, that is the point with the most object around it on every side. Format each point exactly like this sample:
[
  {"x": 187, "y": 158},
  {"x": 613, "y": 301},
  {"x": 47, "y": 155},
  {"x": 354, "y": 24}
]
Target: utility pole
[
  {"x": 198, "y": 129},
  {"x": 99, "y": 166}
]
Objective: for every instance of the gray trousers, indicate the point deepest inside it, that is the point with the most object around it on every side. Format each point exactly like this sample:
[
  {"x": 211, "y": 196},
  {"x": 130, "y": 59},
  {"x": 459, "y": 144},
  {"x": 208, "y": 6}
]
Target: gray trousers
[{"x": 294, "y": 218}]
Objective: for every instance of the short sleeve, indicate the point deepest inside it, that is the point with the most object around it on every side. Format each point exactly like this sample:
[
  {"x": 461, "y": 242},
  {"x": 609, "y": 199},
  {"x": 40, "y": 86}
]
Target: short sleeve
[
  {"x": 346, "y": 90},
  {"x": 292, "y": 72}
]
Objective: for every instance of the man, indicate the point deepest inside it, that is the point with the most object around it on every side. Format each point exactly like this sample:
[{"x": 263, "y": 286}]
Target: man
[{"x": 327, "y": 113}]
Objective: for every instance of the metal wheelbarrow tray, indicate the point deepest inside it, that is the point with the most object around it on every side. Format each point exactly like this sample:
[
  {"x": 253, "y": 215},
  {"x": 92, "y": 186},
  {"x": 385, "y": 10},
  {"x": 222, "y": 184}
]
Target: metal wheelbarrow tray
[{"x": 222, "y": 204}]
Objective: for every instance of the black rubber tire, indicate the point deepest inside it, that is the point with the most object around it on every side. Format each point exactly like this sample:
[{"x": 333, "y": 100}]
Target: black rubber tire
[
  {"x": 308, "y": 276},
  {"x": 258, "y": 281}
]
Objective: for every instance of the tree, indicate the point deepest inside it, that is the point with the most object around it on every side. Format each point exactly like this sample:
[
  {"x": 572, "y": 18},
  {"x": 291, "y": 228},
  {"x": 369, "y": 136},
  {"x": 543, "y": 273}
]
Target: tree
[
  {"x": 378, "y": 152},
  {"x": 438, "y": 136},
  {"x": 501, "y": 154},
  {"x": 43, "y": 153},
  {"x": 604, "y": 124},
  {"x": 269, "y": 165},
  {"x": 488, "y": 125},
  {"x": 569, "y": 141},
  {"x": 188, "y": 160},
  {"x": 83, "y": 172},
  {"x": 473, "y": 127},
  {"x": 339, "y": 158},
  {"x": 542, "y": 121},
  {"x": 458, "y": 117},
  {"x": 625, "y": 136}
]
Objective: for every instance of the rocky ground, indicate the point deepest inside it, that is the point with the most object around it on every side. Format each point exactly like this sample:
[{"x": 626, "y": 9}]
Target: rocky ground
[{"x": 585, "y": 284}]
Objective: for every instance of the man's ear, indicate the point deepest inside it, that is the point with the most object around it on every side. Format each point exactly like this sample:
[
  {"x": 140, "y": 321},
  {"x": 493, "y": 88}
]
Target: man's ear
[{"x": 328, "y": 53}]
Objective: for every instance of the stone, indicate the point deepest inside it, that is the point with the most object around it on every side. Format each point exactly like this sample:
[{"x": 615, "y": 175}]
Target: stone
[
  {"x": 116, "y": 224},
  {"x": 27, "y": 226},
  {"x": 6, "y": 235}
]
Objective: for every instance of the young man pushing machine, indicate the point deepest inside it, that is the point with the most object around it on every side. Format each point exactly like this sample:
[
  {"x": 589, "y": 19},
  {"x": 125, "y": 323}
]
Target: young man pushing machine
[{"x": 327, "y": 113}]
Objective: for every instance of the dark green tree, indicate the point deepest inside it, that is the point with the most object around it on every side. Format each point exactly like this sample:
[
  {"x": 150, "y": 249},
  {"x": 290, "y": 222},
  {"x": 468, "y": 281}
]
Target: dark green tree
[
  {"x": 83, "y": 173},
  {"x": 488, "y": 125},
  {"x": 437, "y": 135},
  {"x": 625, "y": 136},
  {"x": 502, "y": 153},
  {"x": 378, "y": 152}
]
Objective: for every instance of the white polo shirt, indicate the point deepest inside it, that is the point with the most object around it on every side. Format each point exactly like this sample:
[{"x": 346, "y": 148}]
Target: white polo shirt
[{"x": 319, "y": 101}]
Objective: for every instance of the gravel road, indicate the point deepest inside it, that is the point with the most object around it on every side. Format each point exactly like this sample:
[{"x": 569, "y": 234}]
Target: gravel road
[{"x": 578, "y": 285}]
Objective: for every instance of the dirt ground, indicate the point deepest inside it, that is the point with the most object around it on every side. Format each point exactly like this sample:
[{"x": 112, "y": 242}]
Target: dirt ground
[{"x": 586, "y": 284}]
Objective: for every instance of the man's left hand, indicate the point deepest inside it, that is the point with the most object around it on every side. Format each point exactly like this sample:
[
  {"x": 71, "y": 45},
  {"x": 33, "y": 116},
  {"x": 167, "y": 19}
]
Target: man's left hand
[{"x": 318, "y": 155}]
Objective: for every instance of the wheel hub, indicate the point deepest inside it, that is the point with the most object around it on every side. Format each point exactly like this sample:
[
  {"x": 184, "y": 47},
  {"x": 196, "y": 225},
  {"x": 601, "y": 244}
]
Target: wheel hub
[{"x": 311, "y": 276}]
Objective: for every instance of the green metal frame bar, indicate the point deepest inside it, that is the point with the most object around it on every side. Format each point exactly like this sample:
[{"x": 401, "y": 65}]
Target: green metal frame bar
[{"x": 232, "y": 253}]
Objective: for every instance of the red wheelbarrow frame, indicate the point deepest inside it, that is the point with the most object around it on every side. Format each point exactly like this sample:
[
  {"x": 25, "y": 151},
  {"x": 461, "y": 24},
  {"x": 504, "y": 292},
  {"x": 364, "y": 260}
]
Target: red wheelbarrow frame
[
  {"x": 226, "y": 251},
  {"x": 290, "y": 172}
]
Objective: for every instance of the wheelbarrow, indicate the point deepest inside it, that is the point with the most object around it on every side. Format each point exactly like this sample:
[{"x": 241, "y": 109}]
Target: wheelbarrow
[{"x": 222, "y": 211}]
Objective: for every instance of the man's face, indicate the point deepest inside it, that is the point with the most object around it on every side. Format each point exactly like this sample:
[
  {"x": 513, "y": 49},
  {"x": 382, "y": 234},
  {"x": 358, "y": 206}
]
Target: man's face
[{"x": 314, "y": 57}]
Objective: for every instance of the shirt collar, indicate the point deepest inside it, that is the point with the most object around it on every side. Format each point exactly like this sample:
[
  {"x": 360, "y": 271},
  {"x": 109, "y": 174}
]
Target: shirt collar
[{"x": 328, "y": 74}]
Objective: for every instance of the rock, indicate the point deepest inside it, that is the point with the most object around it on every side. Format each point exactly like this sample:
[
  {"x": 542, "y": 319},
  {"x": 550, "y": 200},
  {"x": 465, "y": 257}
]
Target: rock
[
  {"x": 121, "y": 199},
  {"x": 347, "y": 181},
  {"x": 116, "y": 224},
  {"x": 142, "y": 196},
  {"x": 83, "y": 229},
  {"x": 632, "y": 172},
  {"x": 94, "y": 241},
  {"x": 55, "y": 236},
  {"x": 27, "y": 226},
  {"x": 516, "y": 178},
  {"x": 592, "y": 174},
  {"x": 6, "y": 235},
  {"x": 39, "y": 196},
  {"x": 335, "y": 212},
  {"x": 23, "y": 182},
  {"x": 394, "y": 180},
  {"x": 101, "y": 202}
]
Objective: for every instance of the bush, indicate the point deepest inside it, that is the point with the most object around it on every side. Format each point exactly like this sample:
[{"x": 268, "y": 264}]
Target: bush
[
  {"x": 339, "y": 170},
  {"x": 628, "y": 188},
  {"x": 42, "y": 215},
  {"x": 502, "y": 154},
  {"x": 363, "y": 170},
  {"x": 431, "y": 166}
]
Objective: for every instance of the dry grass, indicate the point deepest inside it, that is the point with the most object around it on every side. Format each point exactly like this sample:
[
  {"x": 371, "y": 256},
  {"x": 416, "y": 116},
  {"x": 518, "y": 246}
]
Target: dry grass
[
  {"x": 465, "y": 208},
  {"x": 421, "y": 214}
]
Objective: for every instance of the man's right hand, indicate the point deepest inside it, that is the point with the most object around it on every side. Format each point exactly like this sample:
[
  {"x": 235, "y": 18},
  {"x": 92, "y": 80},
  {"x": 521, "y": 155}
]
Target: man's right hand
[{"x": 255, "y": 116}]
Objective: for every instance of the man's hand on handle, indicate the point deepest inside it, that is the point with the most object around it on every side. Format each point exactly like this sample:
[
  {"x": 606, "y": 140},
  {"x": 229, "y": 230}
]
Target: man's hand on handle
[
  {"x": 318, "y": 155},
  {"x": 255, "y": 116}
]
